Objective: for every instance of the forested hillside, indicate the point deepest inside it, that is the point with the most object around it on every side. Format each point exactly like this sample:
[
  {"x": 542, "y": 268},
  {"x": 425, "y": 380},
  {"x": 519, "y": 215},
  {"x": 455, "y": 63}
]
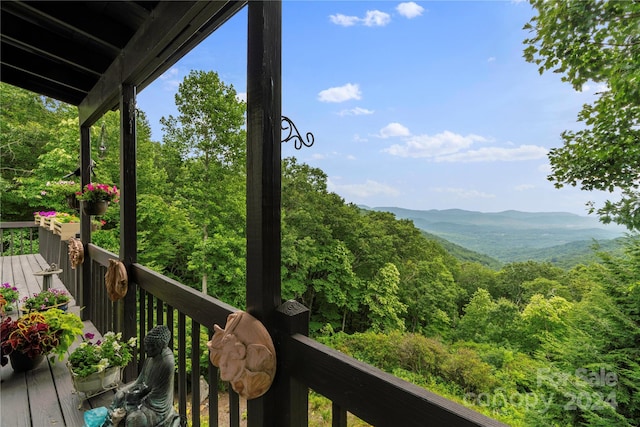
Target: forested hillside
[
  {"x": 515, "y": 236},
  {"x": 527, "y": 342}
]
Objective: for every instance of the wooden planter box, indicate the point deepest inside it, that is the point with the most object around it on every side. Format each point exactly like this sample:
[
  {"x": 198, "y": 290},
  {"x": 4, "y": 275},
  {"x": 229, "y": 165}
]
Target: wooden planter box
[
  {"x": 66, "y": 230},
  {"x": 36, "y": 219},
  {"x": 45, "y": 221}
]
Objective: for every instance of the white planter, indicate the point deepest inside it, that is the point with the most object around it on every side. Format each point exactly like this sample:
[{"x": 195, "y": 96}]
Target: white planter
[{"x": 96, "y": 383}]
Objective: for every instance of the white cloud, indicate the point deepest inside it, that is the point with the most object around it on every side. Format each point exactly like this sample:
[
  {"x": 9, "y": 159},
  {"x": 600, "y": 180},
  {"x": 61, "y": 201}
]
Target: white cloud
[
  {"x": 368, "y": 189},
  {"x": 393, "y": 129},
  {"x": 465, "y": 193},
  {"x": 524, "y": 187},
  {"x": 433, "y": 146},
  {"x": 410, "y": 9},
  {"x": 356, "y": 112},
  {"x": 375, "y": 18},
  {"x": 340, "y": 94},
  {"x": 451, "y": 147},
  {"x": 344, "y": 20},
  {"x": 170, "y": 79},
  {"x": 242, "y": 96},
  {"x": 596, "y": 88},
  {"x": 358, "y": 138},
  {"x": 491, "y": 59},
  {"x": 495, "y": 154}
]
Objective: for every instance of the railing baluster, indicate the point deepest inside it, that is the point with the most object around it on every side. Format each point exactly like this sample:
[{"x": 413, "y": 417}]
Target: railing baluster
[
  {"x": 159, "y": 312},
  {"x": 338, "y": 416},
  {"x": 150, "y": 322},
  {"x": 234, "y": 408},
  {"x": 212, "y": 379},
  {"x": 143, "y": 323},
  {"x": 195, "y": 373},
  {"x": 170, "y": 324},
  {"x": 182, "y": 365}
]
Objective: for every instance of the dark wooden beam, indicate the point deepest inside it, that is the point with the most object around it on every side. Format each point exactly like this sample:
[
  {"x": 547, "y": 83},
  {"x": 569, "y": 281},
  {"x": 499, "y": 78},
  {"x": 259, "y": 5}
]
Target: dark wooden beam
[
  {"x": 128, "y": 224},
  {"x": 263, "y": 159},
  {"x": 264, "y": 74},
  {"x": 85, "y": 223},
  {"x": 158, "y": 44}
]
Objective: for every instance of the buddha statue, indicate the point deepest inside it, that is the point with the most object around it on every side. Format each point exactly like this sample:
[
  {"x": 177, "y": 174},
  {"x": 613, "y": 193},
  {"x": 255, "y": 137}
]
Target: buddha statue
[{"x": 148, "y": 401}]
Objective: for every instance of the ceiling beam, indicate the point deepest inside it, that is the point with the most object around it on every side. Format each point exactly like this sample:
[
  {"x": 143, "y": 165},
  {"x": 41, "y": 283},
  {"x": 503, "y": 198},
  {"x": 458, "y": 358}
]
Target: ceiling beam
[{"x": 168, "y": 34}]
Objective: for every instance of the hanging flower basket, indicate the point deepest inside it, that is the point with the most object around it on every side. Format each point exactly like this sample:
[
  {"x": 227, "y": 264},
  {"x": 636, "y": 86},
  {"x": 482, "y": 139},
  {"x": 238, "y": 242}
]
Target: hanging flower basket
[{"x": 94, "y": 208}]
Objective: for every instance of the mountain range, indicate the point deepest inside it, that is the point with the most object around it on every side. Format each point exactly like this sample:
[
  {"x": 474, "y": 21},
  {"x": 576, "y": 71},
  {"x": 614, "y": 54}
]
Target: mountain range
[{"x": 510, "y": 236}]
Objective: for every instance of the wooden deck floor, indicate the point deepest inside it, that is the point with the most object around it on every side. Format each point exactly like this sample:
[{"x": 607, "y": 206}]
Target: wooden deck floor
[{"x": 44, "y": 396}]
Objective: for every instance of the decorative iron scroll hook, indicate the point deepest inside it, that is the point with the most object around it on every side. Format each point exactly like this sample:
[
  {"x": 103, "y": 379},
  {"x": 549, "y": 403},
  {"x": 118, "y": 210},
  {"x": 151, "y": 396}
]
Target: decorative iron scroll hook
[{"x": 294, "y": 134}]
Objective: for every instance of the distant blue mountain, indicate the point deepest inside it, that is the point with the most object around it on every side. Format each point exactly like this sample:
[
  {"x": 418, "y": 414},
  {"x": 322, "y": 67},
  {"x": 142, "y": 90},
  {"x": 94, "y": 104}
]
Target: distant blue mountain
[{"x": 508, "y": 235}]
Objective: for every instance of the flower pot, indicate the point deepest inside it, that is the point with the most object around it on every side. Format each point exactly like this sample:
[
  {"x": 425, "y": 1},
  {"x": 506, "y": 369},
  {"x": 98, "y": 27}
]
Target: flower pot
[
  {"x": 20, "y": 362},
  {"x": 63, "y": 306},
  {"x": 73, "y": 202},
  {"x": 94, "y": 208},
  {"x": 96, "y": 383}
]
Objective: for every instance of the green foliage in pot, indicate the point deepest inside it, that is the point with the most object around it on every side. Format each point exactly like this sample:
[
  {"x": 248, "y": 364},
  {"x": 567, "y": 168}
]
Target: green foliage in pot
[
  {"x": 39, "y": 333},
  {"x": 45, "y": 299},
  {"x": 99, "y": 193},
  {"x": 90, "y": 357}
]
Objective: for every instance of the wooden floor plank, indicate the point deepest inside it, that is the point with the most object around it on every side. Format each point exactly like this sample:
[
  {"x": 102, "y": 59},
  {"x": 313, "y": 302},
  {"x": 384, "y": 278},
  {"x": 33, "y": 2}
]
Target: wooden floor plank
[
  {"x": 31, "y": 281},
  {"x": 66, "y": 393},
  {"x": 44, "y": 396},
  {"x": 19, "y": 278},
  {"x": 6, "y": 274},
  {"x": 14, "y": 407},
  {"x": 45, "y": 409}
]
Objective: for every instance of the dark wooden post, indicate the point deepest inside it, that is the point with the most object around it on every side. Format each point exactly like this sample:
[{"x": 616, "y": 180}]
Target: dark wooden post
[
  {"x": 293, "y": 405},
  {"x": 264, "y": 47},
  {"x": 126, "y": 311},
  {"x": 84, "y": 270}
]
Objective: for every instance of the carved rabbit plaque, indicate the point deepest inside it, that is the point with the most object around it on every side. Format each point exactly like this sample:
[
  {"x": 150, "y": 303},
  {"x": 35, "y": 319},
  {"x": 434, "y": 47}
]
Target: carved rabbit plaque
[{"x": 245, "y": 354}]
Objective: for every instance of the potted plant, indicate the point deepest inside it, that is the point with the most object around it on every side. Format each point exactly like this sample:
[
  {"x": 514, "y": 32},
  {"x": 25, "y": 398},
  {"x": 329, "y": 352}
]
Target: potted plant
[
  {"x": 33, "y": 336},
  {"x": 46, "y": 217},
  {"x": 45, "y": 300},
  {"x": 10, "y": 295},
  {"x": 96, "y": 198},
  {"x": 97, "y": 367}
]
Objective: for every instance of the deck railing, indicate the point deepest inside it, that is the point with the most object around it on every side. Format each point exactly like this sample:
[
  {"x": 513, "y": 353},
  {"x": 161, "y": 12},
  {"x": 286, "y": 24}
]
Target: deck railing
[
  {"x": 353, "y": 387},
  {"x": 18, "y": 238}
]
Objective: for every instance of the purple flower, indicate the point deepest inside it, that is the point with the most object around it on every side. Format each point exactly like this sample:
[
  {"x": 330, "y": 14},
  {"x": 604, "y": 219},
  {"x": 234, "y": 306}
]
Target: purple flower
[{"x": 89, "y": 335}]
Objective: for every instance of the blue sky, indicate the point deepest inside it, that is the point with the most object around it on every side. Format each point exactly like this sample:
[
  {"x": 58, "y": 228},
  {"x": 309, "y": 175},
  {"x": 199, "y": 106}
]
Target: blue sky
[{"x": 420, "y": 105}]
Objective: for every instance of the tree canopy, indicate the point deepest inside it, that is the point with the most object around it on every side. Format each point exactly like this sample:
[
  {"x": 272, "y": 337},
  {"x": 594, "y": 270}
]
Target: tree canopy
[{"x": 596, "y": 42}]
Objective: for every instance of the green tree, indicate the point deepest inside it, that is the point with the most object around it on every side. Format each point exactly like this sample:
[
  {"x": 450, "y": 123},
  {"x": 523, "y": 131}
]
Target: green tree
[
  {"x": 204, "y": 157},
  {"x": 316, "y": 262},
  {"x": 595, "y": 41},
  {"x": 430, "y": 294},
  {"x": 385, "y": 310},
  {"x": 511, "y": 277}
]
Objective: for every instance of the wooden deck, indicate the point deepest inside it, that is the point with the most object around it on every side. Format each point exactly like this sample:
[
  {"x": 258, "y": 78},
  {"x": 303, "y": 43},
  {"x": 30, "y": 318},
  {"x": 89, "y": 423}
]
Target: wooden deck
[{"x": 44, "y": 396}]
